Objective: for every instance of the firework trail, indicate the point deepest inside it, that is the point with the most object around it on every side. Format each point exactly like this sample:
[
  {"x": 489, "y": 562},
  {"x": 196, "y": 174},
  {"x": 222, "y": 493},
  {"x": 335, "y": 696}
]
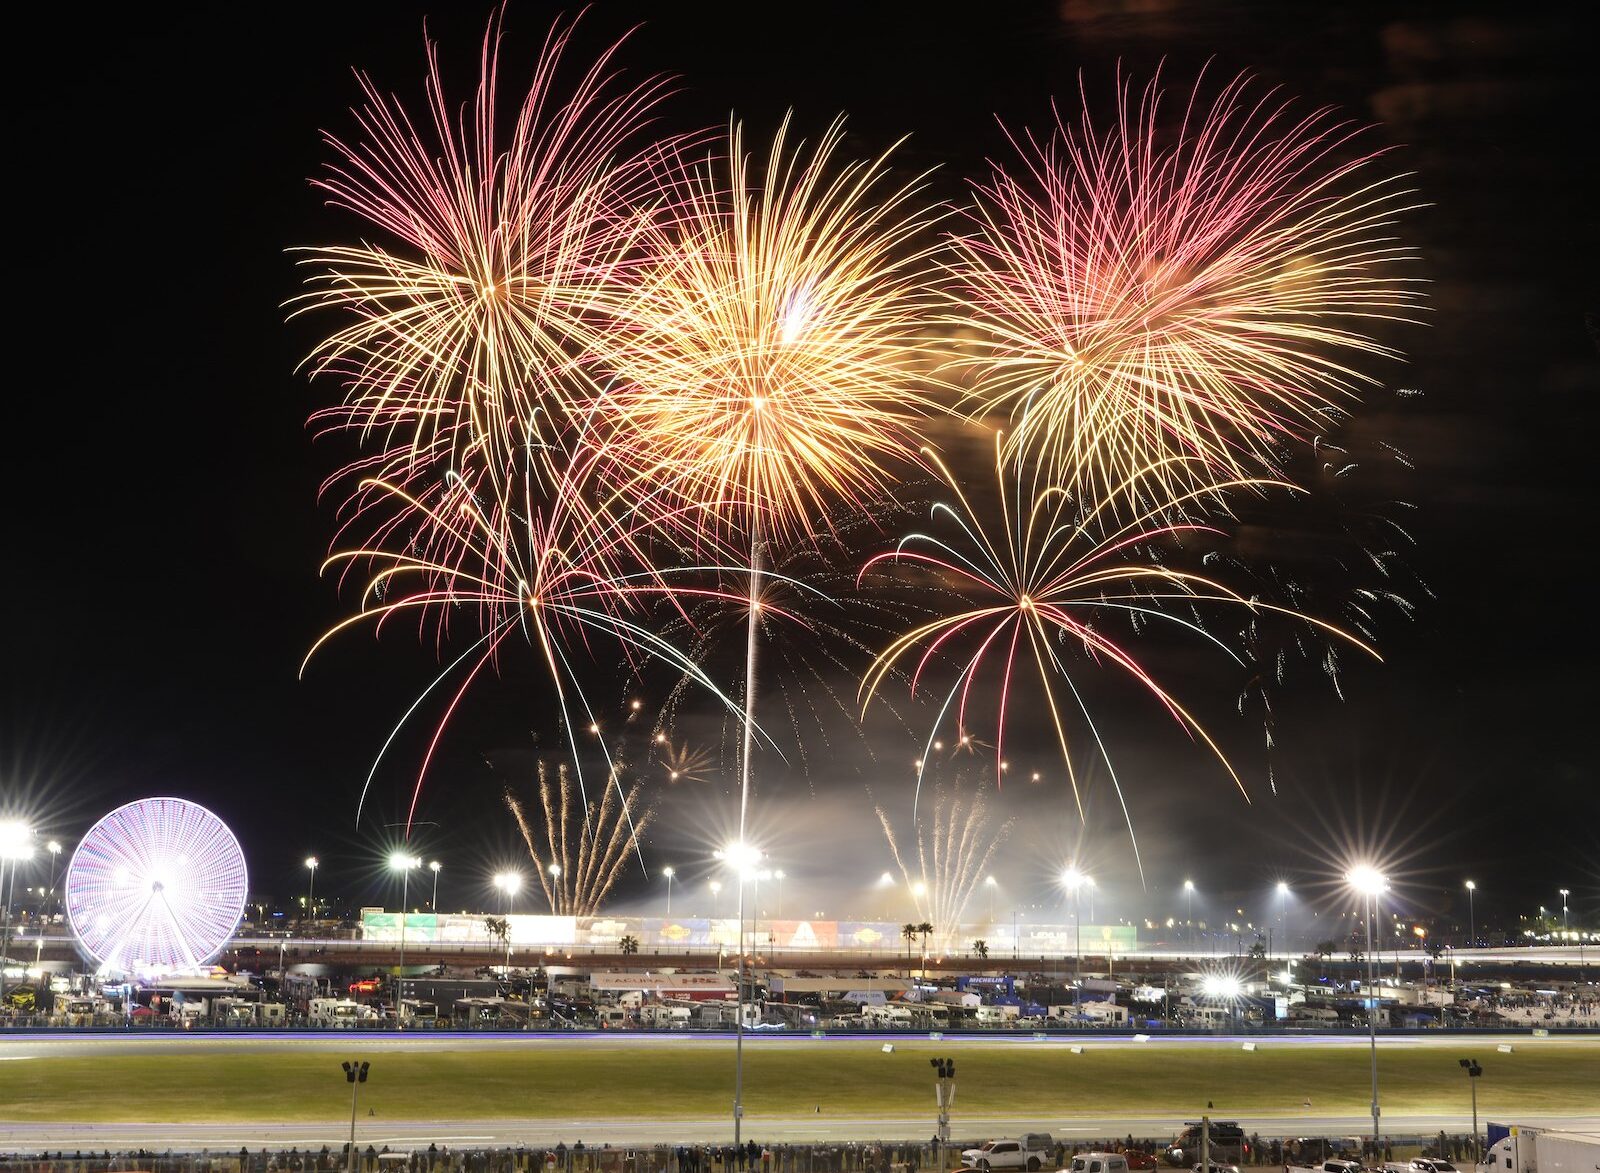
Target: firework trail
[
  {"x": 1141, "y": 291},
  {"x": 586, "y": 845},
  {"x": 1032, "y": 593},
  {"x": 463, "y": 322},
  {"x": 764, "y": 368},
  {"x": 953, "y": 851}
]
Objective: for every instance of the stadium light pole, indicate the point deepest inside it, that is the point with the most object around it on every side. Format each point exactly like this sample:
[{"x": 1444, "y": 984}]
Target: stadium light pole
[
  {"x": 433, "y": 904},
  {"x": 669, "y": 872},
  {"x": 507, "y": 884},
  {"x": 1074, "y": 880},
  {"x": 1188, "y": 909},
  {"x": 355, "y": 1074},
  {"x": 312, "y": 863},
  {"x": 16, "y": 845},
  {"x": 1283, "y": 916},
  {"x": 742, "y": 858},
  {"x": 1565, "y": 892},
  {"x": 1472, "y": 915},
  {"x": 1474, "y": 1071},
  {"x": 400, "y": 862},
  {"x": 1370, "y": 883},
  {"x": 54, "y": 849}
]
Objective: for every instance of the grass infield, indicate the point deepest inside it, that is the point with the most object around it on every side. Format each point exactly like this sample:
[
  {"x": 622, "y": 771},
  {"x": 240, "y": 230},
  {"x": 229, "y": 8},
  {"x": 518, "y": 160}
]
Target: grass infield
[{"x": 261, "y": 1083}]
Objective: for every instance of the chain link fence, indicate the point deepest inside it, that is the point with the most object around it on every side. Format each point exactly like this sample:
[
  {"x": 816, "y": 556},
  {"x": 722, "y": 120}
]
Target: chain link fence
[{"x": 840, "y": 1157}]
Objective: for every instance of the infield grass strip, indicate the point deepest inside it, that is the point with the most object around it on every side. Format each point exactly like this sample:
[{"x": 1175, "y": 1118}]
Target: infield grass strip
[{"x": 243, "y": 1083}]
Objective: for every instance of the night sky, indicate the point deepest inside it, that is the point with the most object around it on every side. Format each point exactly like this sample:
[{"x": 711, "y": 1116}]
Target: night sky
[{"x": 165, "y": 531}]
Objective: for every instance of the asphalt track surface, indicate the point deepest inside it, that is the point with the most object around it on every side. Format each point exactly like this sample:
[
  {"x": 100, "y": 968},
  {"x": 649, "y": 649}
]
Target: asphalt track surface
[{"x": 622, "y": 1129}]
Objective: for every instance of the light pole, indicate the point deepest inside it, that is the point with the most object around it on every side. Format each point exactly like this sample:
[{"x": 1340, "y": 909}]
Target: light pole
[
  {"x": 312, "y": 864},
  {"x": 669, "y": 873},
  {"x": 1370, "y": 883},
  {"x": 508, "y": 884},
  {"x": 1283, "y": 909},
  {"x": 1472, "y": 915},
  {"x": 16, "y": 845},
  {"x": 1474, "y": 1071},
  {"x": 54, "y": 849},
  {"x": 1188, "y": 909},
  {"x": 400, "y": 862},
  {"x": 355, "y": 1074},
  {"x": 743, "y": 858},
  {"x": 433, "y": 904},
  {"x": 1075, "y": 881},
  {"x": 944, "y": 1094},
  {"x": 1565, "y": 892}
]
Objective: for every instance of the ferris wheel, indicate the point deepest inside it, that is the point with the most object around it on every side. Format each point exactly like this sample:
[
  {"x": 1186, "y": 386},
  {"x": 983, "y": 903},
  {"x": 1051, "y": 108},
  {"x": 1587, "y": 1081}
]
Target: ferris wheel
[{"x": 158, "y": 884}]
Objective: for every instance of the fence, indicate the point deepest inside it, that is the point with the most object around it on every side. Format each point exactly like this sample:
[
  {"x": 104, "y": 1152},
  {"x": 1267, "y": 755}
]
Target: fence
[{"x": 841, "y": 1157}]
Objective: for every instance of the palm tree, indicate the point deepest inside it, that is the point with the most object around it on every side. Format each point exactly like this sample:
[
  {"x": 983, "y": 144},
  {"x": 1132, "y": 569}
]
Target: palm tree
[
  {"x": 926, "y": 930},
  {"x": 629, "y": 945},
  {"x": 980, "y": 948},
  {"x": 499, "y": 928},
  {"x": 1323, "y": 953},
  {"x": 909, "y": 932}
]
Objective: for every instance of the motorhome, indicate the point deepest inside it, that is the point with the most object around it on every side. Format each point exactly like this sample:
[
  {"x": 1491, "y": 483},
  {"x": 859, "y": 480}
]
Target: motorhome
[
  {"x": 414, "y": 1012},
  {"x": 891, "y": 1016},
  {"x": 233, "y": 1012},
  {"x": 1104, "y": 1013},
  {"x": 660, "y": 1017},
  {"x": 339, "y": 1013}
]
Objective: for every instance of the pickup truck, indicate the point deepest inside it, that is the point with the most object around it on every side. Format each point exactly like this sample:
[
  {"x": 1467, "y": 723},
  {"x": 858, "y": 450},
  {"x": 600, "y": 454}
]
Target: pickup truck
[
  {"x": 1031, "y": 1151},
  {"x": 1421, "y": 1165}
]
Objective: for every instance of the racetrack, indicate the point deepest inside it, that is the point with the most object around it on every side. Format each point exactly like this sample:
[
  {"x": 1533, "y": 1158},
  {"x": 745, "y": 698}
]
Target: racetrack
[{"x": 278, "y": 1089}]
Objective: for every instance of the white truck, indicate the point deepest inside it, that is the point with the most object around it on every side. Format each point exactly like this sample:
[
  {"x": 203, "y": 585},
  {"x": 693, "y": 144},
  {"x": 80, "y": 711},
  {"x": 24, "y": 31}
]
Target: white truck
[
  {"x": 1331, "y": 1165},
  {"x": 1031, "y": 1151},
  {"x": 1540, "y": 1150},
  {"x": 1421, "y": 1165}
]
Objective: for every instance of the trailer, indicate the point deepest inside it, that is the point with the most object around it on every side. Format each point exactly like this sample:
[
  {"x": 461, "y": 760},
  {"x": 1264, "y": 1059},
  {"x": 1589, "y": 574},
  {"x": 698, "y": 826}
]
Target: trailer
[{"x": 1521, "y": 1149}]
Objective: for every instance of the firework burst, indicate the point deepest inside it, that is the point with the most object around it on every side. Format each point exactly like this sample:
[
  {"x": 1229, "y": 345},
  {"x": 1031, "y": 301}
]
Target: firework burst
[
  {"x": 1138, "y": 291},
  {"x": 1033, "y": 594},
  {"x": 463, "y": 320},
  {"x": 559, "y": 575},
  {"x": 584, "y": 845},
  {"x": 767, "y": 361}
]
